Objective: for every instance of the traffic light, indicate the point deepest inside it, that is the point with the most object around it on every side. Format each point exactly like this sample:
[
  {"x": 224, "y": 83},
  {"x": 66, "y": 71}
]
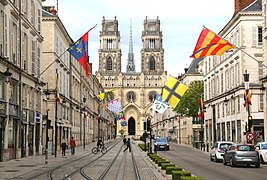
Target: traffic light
[
  {"x": 148, "y": 126},
  {"x": 249, "y": 123}
]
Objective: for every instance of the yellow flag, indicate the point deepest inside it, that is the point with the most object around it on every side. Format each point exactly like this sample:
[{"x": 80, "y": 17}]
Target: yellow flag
[
  {"x": 173, "y": 91},
  {"x": 102, "y": 96}
]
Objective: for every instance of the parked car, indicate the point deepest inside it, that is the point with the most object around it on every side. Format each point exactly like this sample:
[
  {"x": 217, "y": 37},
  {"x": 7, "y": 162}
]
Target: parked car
[
  {"x": 239, "y": 154},
  {"x": 217, "y": 150},
  {"x": 161, "y": 144},
  {"x": 261, "y": 147}
]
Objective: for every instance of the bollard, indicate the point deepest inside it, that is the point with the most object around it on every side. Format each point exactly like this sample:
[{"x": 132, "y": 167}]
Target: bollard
[{"x": 46, "y": 156}]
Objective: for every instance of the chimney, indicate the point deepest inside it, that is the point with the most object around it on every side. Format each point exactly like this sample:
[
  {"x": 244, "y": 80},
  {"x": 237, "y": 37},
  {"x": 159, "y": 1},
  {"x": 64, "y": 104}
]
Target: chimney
[
  {"x": 53, "y": 11},
  {"x": 241, "y": 4}
]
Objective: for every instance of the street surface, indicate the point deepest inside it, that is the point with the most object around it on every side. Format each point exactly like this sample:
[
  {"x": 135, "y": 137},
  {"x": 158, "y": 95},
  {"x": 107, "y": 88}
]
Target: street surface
[{"x": 198, "y": 163}]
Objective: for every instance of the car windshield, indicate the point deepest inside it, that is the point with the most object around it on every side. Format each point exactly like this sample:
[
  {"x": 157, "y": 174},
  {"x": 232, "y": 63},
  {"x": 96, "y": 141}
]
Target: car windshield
[
  {"x": 245, "y": 148},
  {"x": 264, "y": 146},
  {"x": 224, "y": 145},
  {"x": 161, "y": 140}
]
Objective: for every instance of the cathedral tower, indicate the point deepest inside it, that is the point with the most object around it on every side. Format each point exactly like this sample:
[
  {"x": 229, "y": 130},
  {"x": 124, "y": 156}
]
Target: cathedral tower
[
  {"x": 152, "y": 53},
  {"x": 109, "y": 51},
  {"x": 130, "y": 62}
]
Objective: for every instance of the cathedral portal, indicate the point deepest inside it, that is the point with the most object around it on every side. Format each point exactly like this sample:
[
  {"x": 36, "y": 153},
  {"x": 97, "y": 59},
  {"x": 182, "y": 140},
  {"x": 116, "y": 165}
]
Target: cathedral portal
[{"x": 131, "y": 126}]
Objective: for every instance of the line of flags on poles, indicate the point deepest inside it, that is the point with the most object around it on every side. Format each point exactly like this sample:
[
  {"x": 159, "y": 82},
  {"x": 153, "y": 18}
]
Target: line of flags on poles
[{"x": 209, "y": 43}]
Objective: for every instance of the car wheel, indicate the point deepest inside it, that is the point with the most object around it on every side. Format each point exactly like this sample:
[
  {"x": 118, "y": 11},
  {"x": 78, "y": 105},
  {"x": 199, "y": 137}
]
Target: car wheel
[
  {"x": 261, "y": 159},
  {"x": 232, "y": 164},
  {"x": 211, "y": 158},
  {"x": 224, "y": 162},
  {"x": 215, "y": 158},
  {"x": 257, "y": 165}
]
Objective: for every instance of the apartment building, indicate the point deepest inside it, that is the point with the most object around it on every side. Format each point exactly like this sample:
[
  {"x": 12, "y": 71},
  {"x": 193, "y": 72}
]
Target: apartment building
[{"x": 226, "y": 118}]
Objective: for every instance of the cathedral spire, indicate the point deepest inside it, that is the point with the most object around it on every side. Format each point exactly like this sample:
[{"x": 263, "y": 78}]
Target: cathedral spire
[{"x": 130, "y": 61}]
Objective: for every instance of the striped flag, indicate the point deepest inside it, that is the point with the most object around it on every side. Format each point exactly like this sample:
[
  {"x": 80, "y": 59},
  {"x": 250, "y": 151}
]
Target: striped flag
[
  {"x": 210, "y": 43},
  {"x": 201, "y": 109}
]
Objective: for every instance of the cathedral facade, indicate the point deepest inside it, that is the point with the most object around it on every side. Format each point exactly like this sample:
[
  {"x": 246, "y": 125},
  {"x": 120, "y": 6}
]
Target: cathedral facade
[{"x": 136, "y": 90}]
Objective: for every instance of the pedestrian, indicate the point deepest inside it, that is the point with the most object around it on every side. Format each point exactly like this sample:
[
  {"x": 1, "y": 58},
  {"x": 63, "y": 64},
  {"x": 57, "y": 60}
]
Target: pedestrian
[
  {"x": 63, "y": 147},
  {"x": 128, "y": 146},
  {"x": 124, "y": 140},
  {"x": 72, "y": 145}
]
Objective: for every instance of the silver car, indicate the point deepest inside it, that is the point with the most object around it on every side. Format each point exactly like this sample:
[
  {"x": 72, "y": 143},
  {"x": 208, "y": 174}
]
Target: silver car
[{"x": 239, "y": 154}]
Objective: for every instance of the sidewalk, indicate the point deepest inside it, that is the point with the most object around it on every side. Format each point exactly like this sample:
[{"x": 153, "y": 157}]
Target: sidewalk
[{"x": 15, "y": 168}]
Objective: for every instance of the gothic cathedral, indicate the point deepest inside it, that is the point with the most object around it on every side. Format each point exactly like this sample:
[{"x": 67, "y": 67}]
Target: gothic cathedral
[{"x": 136, "y": 90}]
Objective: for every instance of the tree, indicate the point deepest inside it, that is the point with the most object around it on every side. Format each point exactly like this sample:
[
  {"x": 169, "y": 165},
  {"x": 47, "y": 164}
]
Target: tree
[{"x": 189, "y": 105}]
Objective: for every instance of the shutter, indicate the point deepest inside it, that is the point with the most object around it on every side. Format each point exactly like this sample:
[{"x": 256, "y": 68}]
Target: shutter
[{"x": 254, "y": 36}]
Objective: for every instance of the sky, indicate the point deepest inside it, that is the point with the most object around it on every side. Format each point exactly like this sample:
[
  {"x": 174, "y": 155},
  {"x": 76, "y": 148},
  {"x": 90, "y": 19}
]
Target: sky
[{"x": 181, "y": 24}]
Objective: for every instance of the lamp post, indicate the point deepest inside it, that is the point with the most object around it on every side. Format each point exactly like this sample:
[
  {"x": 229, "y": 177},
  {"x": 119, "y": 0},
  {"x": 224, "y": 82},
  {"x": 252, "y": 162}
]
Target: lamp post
[
  {"x": 84, "y": 116},
  {"x": 47, "y": 95},
  {"x": 246, "y": 80},
  {"x": 56, "y": 101}
]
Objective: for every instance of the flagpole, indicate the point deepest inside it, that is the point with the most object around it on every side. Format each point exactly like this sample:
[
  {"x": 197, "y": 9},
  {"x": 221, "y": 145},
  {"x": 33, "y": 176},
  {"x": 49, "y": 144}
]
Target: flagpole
[{"x": 61, "y": 55}]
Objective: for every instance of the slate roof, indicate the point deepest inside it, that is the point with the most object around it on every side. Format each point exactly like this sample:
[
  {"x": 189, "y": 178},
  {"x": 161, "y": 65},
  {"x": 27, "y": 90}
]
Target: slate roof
[
  {"x": 255, "y": 6},
  {"x": 194, "y": 65}
]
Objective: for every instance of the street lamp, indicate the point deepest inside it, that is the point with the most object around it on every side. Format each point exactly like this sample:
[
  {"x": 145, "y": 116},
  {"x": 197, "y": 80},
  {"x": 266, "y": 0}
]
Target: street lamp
[
  {"x": 246, "y": 80},
  {"x": 84, "y": 116},
  {"x": 47, "y": 95}
]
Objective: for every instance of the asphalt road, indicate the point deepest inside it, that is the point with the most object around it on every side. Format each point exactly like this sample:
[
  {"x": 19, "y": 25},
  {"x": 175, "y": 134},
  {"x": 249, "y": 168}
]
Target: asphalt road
[{"x": 198, "y": 163}]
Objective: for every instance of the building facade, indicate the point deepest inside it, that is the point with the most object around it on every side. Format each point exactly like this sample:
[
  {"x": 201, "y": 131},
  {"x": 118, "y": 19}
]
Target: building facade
[
  {"x": 226, "y": 118},
  {"x": 136, "y": 90},
  {"x": 20, "y": 54}
]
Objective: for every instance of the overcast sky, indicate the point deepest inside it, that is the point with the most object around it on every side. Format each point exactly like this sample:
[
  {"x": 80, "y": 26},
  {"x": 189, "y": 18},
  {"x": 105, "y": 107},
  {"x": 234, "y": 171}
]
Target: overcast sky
[{"x": 181, "y": 24}]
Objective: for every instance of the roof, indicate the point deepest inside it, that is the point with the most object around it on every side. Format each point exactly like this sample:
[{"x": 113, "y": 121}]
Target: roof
[
  {"x": 194, "y": 65},
  {"x": 255, "y": 6}
]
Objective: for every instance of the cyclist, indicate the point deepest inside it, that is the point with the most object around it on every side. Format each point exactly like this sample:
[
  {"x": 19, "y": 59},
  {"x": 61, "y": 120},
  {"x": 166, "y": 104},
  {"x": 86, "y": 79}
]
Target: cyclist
[{"x": 100, "y": 143}]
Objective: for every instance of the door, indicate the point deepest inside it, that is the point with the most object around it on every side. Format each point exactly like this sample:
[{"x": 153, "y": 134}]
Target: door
[{"x": 131, "y": 126}]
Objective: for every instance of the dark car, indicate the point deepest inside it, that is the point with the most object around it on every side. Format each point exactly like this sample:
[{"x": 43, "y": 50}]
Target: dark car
[
  {"x": 241, "y": 154},
  {"x": 161, "y": 144}
]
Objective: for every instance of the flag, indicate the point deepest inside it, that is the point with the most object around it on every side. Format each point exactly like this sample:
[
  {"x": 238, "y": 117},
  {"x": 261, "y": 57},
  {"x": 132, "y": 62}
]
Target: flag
[
  {"x": 56, "y": 90},
  {"x": 159, "y": 105},
  {"x": 114, "y": 105},
  {"x": 247, "y": 98},
  {"x": 79, "y": 50},
  {"x": 201, "y": 110},
  {"x": 210, "y": 43},
  {"x": 119, "y": 116},
  {"x": 173, "y": 91},
  {"x": 102, "y": 96},
  {"x": 123, "y": 123}
]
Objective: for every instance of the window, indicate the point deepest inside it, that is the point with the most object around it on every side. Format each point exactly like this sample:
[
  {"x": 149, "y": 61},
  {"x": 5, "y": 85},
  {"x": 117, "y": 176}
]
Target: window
[
  {"x": 261, "y": 102},
  {"x": 260, "y": 65},
  {"x": 257, "y": 36},
  {"x": 131, "y": 96},
  {"x": 152, "y": 96},
  {"x": 151, "y": 43},
  {"x": 33, "y": 58},
  {"x": 1, "y": 87},
  {"x": 151, "y": 27},
  {"x": 152, "y": 64},
  {"x": 109, "y": 43},
  {"x": 109, "y": 63}
]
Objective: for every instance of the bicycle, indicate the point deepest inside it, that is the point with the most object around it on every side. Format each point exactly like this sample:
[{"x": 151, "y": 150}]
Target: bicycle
[{"x": 96, "y": 149}]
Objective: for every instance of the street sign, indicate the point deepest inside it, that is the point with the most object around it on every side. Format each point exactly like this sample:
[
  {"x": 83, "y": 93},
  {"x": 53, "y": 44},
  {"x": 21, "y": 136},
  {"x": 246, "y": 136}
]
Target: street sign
[{"x": 250, "y": 136}]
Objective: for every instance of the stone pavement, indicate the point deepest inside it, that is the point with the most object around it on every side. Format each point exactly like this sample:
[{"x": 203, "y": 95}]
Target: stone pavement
[{"x": 16, "y": 168}]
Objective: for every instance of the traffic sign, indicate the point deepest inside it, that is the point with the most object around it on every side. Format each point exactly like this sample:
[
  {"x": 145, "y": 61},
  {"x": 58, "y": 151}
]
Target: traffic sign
[{"x": 250, "y": 136}]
